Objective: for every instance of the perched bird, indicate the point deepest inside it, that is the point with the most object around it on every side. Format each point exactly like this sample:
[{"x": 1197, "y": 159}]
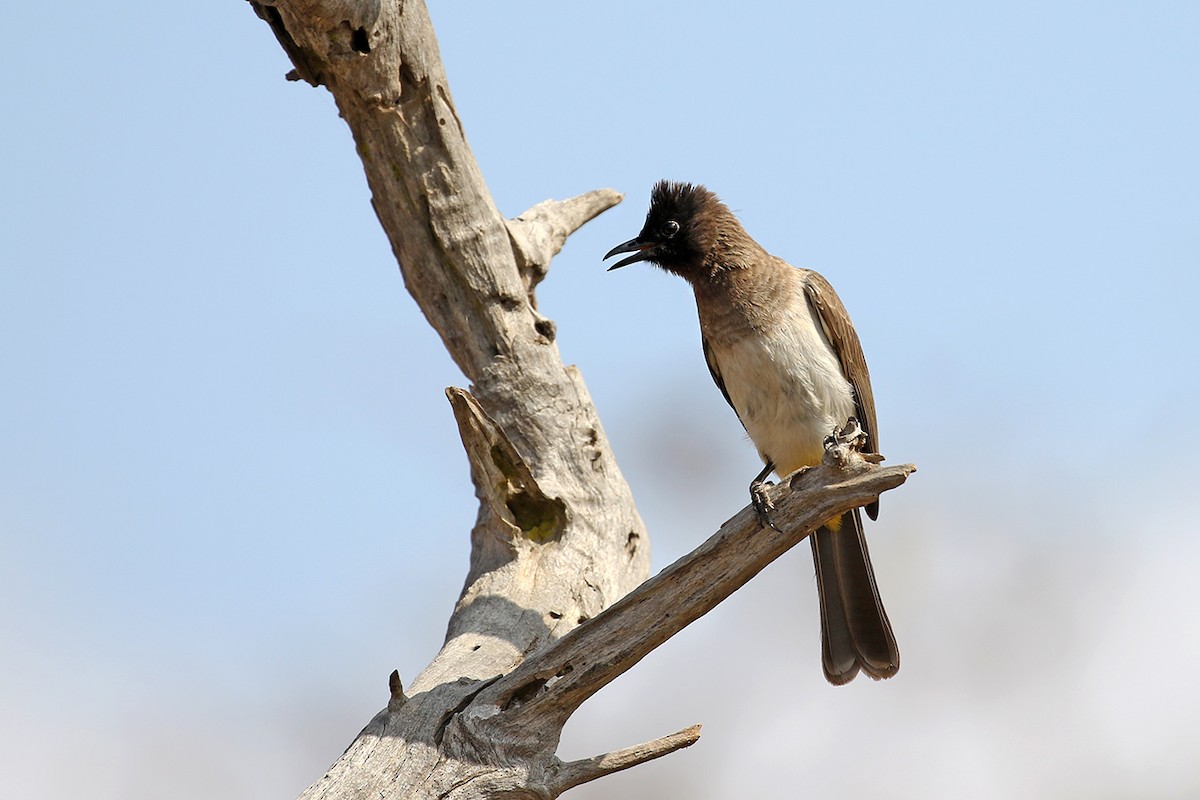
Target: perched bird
[{"x": 782, "y": 350}]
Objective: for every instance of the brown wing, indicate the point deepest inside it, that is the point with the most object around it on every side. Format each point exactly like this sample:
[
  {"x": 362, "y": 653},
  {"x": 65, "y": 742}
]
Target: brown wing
[
  {"x": 715, "y": 371},
  {"x": 835, "y": 322}
]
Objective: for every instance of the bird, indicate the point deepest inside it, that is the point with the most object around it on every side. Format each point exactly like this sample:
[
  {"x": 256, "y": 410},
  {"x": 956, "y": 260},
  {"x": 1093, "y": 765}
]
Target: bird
[{"x": 781, "y": 348}]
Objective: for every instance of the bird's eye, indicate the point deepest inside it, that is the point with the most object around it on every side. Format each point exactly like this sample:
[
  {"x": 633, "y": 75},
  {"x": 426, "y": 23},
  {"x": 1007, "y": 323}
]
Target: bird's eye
[{"x": 670, "y": 228}]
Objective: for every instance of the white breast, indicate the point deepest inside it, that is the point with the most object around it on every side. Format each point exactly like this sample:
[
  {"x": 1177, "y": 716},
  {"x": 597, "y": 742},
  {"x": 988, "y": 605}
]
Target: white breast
[{"x": 788, "y": 389}]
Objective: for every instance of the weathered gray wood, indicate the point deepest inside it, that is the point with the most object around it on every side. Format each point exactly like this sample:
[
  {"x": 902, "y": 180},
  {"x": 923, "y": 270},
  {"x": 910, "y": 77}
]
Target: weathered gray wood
[{"x": 557, "y": 539}]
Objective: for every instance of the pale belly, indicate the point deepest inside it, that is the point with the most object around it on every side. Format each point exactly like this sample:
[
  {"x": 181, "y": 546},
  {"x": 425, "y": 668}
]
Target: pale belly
[{"x": 789, "y": 391}]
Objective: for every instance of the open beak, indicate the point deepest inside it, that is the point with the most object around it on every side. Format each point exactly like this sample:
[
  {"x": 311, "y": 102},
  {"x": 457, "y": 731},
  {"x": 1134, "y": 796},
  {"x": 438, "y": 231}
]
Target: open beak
[{"x": 641, "y": 250}]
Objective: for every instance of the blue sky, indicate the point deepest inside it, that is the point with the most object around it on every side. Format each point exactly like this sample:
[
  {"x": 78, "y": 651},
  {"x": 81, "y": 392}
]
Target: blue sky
[{"x": 232, "y": 498}]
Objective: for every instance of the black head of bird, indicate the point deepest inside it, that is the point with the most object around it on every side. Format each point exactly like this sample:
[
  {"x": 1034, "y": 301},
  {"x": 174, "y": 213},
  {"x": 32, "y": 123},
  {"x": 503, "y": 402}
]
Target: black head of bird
[{"x": 683, "y": 227}]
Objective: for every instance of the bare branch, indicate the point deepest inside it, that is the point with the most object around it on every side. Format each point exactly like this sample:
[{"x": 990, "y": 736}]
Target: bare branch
[
  {"x": 540, "y": 232},
  {"x": 553, "y": 683},
  {"x": 574, "y": 773}
]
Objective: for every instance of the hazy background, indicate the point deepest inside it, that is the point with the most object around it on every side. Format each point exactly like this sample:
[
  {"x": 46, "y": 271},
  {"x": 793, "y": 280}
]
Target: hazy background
[{"x": 232, "y": 498}]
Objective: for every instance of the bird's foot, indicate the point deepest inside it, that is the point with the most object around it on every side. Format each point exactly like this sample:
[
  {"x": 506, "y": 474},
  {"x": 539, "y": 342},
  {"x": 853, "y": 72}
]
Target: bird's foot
[
  {"x": 851, "y": 436},
  {"x": 762, "y": 504}
]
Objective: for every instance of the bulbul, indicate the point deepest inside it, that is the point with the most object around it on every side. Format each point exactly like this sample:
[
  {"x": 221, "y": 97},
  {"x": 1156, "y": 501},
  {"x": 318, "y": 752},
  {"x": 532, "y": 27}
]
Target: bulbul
[{"x": 783, "y": 352}]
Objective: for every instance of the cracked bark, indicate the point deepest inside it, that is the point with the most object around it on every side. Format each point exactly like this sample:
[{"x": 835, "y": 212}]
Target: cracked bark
[{"x": 557, "y": 543}]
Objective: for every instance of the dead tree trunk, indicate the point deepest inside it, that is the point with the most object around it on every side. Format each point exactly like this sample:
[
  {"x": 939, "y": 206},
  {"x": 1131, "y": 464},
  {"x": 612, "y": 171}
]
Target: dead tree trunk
[{"x": 557, "y": 539}]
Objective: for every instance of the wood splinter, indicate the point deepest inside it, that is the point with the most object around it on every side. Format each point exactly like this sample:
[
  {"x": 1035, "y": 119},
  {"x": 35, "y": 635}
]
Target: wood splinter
[{"x": 396, "y": 700}]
